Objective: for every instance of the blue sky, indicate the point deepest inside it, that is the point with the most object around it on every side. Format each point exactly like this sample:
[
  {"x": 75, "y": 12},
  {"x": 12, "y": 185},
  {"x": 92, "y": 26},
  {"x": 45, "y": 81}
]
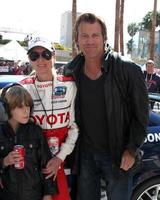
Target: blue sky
[{"x": 44, "y": 17}]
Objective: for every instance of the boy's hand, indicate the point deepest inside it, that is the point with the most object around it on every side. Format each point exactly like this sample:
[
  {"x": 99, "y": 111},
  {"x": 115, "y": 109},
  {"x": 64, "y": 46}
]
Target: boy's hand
[{"x": 12, "y": 158}]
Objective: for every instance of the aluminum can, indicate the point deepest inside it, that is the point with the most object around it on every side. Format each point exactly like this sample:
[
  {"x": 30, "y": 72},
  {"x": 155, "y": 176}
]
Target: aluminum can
[
  {"x": 53, "y": 143},
  {"x": 20, "y": 149}
]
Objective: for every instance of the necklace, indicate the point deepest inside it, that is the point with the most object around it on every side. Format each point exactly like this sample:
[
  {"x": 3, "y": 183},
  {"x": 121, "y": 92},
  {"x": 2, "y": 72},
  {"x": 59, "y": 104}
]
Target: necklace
[
  {"x": 45, "y": 111},
  {"x": 91, "y": 75}
]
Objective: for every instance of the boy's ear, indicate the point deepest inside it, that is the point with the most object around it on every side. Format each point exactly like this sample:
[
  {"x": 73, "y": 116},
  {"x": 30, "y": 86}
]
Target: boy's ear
[{"x": 3, "y": 111}]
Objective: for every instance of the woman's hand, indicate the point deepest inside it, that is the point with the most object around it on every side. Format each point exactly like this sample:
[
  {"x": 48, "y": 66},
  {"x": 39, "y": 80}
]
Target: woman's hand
[
  {"x": 47, "y": 197},
  {"x": 52, "y": 167}
]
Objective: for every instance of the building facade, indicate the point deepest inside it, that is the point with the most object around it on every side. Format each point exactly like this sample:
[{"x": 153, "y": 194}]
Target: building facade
[
  {"x": 66, "y": 29},
  {"x": 142, "y": 42}
]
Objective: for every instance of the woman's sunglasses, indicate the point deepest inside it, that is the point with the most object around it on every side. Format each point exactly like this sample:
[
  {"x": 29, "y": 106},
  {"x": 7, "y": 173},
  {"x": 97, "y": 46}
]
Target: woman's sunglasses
[{"x": 33, "y": 55}]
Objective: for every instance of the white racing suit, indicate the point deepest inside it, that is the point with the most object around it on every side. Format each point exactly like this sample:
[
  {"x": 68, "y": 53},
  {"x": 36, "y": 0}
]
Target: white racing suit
[{"x": 54, "y": 112}]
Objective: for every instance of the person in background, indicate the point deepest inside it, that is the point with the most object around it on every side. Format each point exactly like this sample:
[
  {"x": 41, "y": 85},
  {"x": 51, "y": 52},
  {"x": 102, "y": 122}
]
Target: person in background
[
  {"x": 111, "y": 112},
  {"x": 152, "y": 80},
  {"x": 21, "y": 177},
  {"x": 54, "y": 98},
  {"x": 18, "y": 70}
]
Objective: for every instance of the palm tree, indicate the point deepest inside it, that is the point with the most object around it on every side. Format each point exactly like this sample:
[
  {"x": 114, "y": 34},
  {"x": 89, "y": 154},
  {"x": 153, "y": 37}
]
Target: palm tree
[
  {"x": 117, "y": 27},
  {"x": 74, "y": 15},
  {"x": 118, "y": 37},
  {"x": 121, "y": 27},
  {"x": 132, "y": 30},
  {"x": 147, "y": 21},
  {"x": 146, "y": 24},
  {"x": 152, "y": 34}
]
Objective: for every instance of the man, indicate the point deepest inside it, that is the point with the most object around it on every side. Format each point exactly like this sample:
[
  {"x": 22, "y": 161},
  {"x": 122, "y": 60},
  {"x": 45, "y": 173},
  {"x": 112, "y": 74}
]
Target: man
[
  {"x": 152, "y": 80},
  {"x": 53, "y": 108},
  {"x": 111, "y": 111}
]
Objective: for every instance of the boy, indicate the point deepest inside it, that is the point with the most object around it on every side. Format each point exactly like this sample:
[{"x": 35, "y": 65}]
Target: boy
[{"x": 27, "y": 183}]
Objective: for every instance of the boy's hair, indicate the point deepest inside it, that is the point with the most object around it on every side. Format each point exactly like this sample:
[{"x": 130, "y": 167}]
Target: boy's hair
[
  {"x": 16, "y": 95},
  {"x": 150, "y": 62},
  {"x": 89, "y": 18}
]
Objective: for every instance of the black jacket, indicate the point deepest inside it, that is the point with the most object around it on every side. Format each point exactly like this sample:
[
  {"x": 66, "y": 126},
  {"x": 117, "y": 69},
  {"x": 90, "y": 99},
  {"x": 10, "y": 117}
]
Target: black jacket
[
  {"x": 152, "y": 82},
  {"x": 27, "y": 183},
  {"x": 126, "y": 102}
]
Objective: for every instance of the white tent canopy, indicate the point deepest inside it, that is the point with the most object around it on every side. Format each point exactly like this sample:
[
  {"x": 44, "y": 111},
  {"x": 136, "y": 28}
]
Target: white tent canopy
[{"x": 13, "y": 51}]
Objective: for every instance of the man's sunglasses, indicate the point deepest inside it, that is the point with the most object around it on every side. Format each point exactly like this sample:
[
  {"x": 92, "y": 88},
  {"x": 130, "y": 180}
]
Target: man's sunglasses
[{"x": 33, "y": 55}]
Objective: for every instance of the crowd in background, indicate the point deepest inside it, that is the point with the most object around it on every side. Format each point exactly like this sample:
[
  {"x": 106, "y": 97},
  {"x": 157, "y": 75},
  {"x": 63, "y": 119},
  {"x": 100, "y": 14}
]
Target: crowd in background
[{"x": 14, "y": 68}]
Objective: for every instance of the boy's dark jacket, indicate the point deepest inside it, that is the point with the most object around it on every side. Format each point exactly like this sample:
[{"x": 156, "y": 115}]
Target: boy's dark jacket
[
  {"x": 27, "y": 183},
  {"x": 126, "y": 102}
]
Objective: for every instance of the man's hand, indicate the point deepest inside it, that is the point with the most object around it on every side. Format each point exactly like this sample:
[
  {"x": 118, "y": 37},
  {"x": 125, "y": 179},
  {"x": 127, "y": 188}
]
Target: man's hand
[
  {"x": 127, "y": 161},
  {"x": 52, "y": 167},
  {"x": 1, "y": 184}
]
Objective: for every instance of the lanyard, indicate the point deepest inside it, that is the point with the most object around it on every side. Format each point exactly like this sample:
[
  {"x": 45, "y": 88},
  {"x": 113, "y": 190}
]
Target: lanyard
[
  {"x": 45, "y": 111},
  {"x": 148, "y": 79}
]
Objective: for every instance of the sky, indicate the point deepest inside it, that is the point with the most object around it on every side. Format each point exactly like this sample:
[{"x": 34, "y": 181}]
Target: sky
[{"x": 44, "y": 17}]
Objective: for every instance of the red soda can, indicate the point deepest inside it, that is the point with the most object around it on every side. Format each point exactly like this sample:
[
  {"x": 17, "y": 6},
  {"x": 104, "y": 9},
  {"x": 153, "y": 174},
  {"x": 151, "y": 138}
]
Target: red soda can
[
  {"x": 53, "y": 143},
  {"x": 20, "y": 149}
]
